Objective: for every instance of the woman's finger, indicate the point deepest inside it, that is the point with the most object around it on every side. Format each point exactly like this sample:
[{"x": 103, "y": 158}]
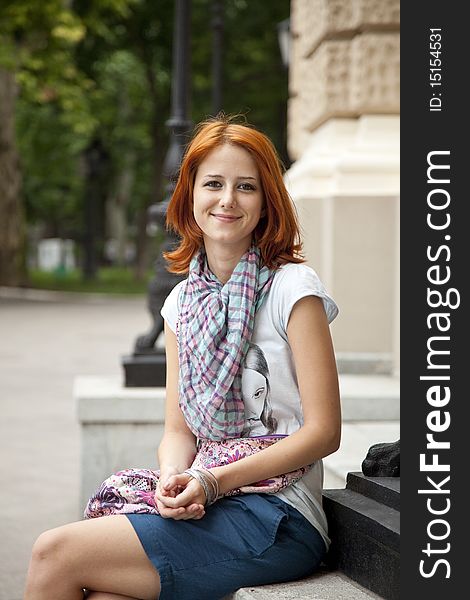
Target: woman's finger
[
  {"x": 176, "y": 481},
  {"x": 195, "y": 511},
  {"x": 181, "y": 500}
]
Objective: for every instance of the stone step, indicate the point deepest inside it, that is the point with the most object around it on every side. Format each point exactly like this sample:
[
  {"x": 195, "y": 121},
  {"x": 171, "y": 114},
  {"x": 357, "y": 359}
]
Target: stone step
[
  {"x": 324, "y": 585},
  {"x": 369, "y": 397},
  {"x": 385, "y": 490},
  {"x": 365, "y": 363},
  {"x": 365, "y": 534}
]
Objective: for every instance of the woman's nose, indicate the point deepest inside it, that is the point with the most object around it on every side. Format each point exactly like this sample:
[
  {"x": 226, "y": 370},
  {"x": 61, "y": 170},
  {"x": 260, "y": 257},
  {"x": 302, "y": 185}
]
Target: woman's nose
[{"x": 227, "y": 199}]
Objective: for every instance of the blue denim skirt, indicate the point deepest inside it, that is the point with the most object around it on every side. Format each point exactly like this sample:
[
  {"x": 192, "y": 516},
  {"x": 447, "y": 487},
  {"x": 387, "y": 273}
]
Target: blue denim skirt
[{"x": 246, "y": 540}]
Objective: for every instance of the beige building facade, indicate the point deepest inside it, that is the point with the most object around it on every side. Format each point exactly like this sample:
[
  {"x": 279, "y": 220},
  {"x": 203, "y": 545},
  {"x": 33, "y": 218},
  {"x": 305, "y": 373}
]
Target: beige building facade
[{"x": 343, "y": 131}]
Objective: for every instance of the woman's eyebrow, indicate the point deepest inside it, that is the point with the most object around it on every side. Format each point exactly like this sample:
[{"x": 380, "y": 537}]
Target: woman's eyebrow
[{"x": 239, "y": 177}]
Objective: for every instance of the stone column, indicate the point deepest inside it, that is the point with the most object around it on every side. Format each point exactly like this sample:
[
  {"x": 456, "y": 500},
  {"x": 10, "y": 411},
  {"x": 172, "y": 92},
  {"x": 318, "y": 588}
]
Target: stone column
[{"x": 344, "y": 138}]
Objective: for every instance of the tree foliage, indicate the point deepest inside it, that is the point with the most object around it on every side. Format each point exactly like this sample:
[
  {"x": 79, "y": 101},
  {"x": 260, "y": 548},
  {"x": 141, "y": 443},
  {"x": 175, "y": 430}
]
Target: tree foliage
[{"x": 100, "y": 70}]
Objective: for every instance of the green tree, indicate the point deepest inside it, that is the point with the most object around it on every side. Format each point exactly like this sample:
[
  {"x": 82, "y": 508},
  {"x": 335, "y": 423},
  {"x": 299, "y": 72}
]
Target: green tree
[
  {"x": 11, "y": 223},
  {"x": 127, "y": 55},
  {"x": 37, "y": 64},
  {"x": 255, "y": 82},
  {"x": 99, "y": 72}
]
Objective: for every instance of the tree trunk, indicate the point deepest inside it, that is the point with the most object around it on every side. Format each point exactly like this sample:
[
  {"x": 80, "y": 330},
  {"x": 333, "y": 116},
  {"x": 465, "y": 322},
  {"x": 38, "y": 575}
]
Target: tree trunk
[
  {"x": 155, "y": 196},
  {"x": 11, "y": 209},
  {"x": 116, "y": 209}
]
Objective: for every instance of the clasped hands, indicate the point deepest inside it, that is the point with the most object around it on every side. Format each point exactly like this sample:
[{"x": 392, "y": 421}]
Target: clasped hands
[{"x": 180, "y": 497}]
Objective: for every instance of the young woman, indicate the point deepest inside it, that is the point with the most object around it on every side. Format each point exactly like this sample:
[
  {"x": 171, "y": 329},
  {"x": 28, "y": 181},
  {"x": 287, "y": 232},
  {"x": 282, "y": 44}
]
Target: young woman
[{"x": 233, "y": 505}]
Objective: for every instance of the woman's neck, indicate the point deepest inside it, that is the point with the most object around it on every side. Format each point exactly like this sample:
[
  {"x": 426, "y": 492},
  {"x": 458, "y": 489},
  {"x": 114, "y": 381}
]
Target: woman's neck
[{"x": 222, "y": 262}]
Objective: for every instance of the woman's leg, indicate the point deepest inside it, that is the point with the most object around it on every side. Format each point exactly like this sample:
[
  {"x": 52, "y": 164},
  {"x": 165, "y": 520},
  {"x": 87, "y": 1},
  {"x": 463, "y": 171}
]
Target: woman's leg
[{"x": 101, "y": 555}]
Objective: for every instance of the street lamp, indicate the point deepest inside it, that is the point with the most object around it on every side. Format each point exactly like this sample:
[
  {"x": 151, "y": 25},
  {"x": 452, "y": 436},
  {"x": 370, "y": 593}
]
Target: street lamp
[
  {"x": 147, "y": 366},
  {"x": 217, "y": 54}
]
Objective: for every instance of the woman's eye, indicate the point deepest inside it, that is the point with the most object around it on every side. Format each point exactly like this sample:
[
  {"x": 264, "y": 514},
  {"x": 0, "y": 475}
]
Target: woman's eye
[
  {"x": 213, "y": 184},
  {"x": 247, "y": 187},
  {"x": 258, "y": 393}
]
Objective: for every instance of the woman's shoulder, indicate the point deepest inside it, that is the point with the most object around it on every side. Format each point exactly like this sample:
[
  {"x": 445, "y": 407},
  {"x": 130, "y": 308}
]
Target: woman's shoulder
[
  {"x": 169, "y": 310},
  {"x": 177, "y": 288},
  {"x": 172, "y": 298},
  {"x": 293, "y": 281},
  {"x": 290, "y": 273}
]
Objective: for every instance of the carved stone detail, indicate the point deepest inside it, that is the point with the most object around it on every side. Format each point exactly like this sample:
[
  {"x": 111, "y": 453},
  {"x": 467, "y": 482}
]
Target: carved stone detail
[
  {"x": 375, "y": 75},
  {"x": 332, "y": 63},
  {"x": 379, "y": 12},
  {"x": 345, "y": 62},
  {"x": 325, "y": 91},
  {"x": 316, "y": 20}
]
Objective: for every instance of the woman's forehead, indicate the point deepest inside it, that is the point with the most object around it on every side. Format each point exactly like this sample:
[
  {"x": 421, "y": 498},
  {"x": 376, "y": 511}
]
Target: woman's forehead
[
  {"x": 252, "y": 377},
  {"x": 228, "y": 159}
]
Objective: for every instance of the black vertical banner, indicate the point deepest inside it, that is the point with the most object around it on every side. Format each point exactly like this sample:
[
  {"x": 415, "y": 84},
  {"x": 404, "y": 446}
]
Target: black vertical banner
[{"x": 435, "y": 364}]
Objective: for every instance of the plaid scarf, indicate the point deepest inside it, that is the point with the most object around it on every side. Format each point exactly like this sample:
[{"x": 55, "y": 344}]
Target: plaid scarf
[{"x": 215, "y": 325}]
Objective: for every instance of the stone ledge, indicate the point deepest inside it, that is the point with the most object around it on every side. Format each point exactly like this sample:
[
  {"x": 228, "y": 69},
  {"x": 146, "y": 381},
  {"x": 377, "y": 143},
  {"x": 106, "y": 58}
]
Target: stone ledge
[
  {"x": 365, "y": 538},
  {"x": 120, "y": 428},
  {"x": 324, "y": 585},
  {"x": 364, "y": 363},
  {"x": 106, "y": 400},
  {"x": 378, "y": 521},
  {"x": 369, "y": 397},
  {"x": 38, "y": 295},
  {"x": 385, "y": 490}
]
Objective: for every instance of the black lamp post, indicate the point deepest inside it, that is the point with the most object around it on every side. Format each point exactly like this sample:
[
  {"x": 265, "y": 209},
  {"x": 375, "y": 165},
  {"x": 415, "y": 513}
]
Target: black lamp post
[
  {"x": 96, "y": 164},
  {"x": 146, "y": 367},
  {"x": 217, "y": 54}
]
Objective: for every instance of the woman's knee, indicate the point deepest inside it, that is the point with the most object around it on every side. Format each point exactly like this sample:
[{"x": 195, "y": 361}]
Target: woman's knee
[{"x": 50, "y": 552}]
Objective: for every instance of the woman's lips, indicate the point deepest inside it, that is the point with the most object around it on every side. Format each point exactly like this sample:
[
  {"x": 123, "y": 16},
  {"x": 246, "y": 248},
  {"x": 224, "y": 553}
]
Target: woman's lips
[{"x": 225, "y": 218}]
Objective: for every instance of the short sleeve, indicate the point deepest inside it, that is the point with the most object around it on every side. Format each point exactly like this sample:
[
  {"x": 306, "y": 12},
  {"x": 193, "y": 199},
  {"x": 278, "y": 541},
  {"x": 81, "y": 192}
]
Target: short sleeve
[
  {"x": 169, "y": 310},
  {"x": 296, "y": 281}
]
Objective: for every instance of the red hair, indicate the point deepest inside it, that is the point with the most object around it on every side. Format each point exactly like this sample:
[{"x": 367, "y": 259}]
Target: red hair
[{"x": 277, "y": 234}]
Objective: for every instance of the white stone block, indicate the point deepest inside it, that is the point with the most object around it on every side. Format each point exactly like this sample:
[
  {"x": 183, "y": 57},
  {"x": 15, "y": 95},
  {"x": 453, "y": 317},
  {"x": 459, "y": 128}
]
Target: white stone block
[{"x": 120, "y": 428}]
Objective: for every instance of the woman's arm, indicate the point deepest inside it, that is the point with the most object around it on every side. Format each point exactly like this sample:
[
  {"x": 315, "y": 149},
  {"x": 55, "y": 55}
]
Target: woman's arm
[
  {"x": 312, "y": 348},
  {"x": 178, "y": 446},
  {"x": 177, "y": 449}
]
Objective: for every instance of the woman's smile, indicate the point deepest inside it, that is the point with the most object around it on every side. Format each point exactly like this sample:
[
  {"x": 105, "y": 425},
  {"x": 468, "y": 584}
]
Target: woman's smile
[{"x": 225, "y": 218}]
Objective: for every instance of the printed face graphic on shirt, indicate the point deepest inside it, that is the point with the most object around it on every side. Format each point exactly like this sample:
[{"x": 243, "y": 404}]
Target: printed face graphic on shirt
[{"x": 255, "y": 392}]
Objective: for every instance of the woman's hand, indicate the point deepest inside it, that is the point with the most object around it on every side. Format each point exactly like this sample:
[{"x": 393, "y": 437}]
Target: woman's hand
[{"x": 180, "y": 497}]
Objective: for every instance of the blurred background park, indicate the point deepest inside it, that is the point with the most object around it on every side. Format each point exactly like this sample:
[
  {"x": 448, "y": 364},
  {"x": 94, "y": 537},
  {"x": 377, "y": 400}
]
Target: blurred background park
[
  {"x": 84, "y": 110},
  {"x": 97, "y": 99}
]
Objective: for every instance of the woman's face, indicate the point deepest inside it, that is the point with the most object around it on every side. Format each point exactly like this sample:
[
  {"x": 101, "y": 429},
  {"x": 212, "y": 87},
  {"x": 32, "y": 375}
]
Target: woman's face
[
  {"x": 228, "y": 199},
  {"x": 254, "y": 392}
]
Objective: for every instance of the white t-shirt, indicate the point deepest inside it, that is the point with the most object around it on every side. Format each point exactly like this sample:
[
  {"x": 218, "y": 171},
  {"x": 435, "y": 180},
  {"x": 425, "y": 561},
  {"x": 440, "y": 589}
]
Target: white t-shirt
[{"x": 269, "y": 382}]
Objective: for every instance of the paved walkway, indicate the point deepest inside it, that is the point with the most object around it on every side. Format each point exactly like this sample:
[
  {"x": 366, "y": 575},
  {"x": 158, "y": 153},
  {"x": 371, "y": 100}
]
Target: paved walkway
[
  {"x": 46, "y": 341},
  {"x": 44, "y": 345}
]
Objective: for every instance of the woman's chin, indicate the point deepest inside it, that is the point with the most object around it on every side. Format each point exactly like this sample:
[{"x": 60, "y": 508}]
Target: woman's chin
[{"x": 227, "y": 239}]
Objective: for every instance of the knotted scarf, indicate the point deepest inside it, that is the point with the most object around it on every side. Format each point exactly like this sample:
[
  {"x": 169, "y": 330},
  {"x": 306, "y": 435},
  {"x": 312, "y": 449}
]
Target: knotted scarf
[{"x": 215, "y": 324}]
